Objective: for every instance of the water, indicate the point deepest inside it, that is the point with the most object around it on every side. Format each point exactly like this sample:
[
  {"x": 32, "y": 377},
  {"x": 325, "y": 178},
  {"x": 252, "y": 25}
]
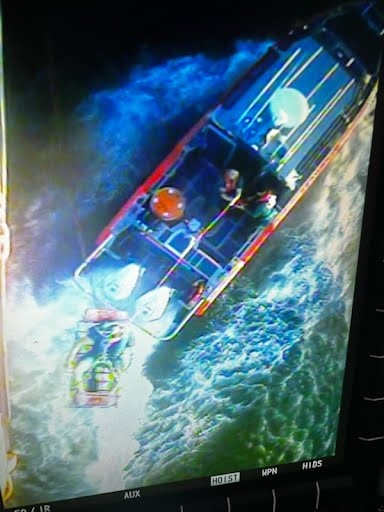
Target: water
[
  {"x": 256, "y": 382},
  {"x": 262, "y": 385}
]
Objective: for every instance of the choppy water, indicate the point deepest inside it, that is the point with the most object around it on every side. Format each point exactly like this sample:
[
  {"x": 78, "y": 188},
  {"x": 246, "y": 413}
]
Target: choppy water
[
  {"x": 255, "y": 383},
  {"x": 262, "y": 385}
]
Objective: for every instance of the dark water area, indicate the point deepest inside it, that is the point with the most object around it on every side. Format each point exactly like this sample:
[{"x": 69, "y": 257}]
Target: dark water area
[{"x": 80, "y": 177}]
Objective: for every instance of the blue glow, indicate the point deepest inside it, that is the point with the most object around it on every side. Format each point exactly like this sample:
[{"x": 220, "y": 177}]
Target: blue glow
[{"x": 136, "y": 125}]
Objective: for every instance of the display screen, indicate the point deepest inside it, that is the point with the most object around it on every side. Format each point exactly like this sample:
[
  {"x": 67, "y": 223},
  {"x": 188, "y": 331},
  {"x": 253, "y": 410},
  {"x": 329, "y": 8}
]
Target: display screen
[{"x": 185, "y": 222}]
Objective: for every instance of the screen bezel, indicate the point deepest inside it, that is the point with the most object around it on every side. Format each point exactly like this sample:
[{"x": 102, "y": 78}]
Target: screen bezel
[{"x": 343, "y": 459}]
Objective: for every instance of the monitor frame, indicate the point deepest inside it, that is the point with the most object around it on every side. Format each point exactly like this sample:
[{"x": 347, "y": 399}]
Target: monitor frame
[{"x": 349, "y": 455}]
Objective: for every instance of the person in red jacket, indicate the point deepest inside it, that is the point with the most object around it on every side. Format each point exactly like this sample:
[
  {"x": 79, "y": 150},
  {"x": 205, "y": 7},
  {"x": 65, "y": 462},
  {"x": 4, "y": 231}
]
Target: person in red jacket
[{"x": 263, "y": 204}]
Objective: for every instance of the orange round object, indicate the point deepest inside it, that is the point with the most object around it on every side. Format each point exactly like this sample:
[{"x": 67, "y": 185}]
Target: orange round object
[{"x": 168, "y": 204}]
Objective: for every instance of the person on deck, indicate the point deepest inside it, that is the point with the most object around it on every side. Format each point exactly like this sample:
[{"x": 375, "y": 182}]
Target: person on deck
[
  {"x": 262, "y": 205},
  {"x": 233, "y": 185}
]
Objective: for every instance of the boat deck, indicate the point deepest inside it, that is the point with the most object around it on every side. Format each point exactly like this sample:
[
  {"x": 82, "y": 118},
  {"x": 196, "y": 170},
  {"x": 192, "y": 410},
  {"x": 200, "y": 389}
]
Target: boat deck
[
  {"x": 320, "y": 75},
  {"x": 199, "y": 176},
  {"x": 211, "y": 236}
]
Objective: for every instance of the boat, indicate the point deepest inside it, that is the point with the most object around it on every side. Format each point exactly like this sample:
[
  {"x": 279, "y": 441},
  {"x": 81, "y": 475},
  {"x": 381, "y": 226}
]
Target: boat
[
  {"x": 101, "y": 354},
  {"x": 174, "y": 245},
  {"x": 278, "y": 127}
]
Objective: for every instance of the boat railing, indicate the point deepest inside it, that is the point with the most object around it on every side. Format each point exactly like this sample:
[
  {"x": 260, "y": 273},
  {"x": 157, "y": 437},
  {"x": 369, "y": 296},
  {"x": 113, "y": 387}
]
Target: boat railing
[
  {"x": 324, "y": 145},
  {"x": 308, "y": 165},
  {"x": 171, "y": 171},
  {"x": 170, "y": 251},
  {"x": 249, "y": 110},
  {"x": 181, "y": 259},
  {"x": 248, "y": 79},
  {"x": 93, "y": 256},
  {"x": 318, "y": 119},
  {"x": 309, "y": 96},
  {"x": 254, "y": 235}
]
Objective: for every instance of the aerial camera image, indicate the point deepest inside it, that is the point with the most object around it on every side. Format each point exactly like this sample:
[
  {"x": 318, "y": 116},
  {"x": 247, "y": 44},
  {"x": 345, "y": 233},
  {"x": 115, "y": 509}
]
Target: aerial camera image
[{"x": 183, "y": 260}]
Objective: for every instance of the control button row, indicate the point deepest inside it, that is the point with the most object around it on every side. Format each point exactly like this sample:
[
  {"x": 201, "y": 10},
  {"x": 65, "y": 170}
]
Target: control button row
[
  {"x": 300, "y": 498},
  {"x": 373, "y": 425},
  {"x": 376, "y": 341},
  {"x": 374, "y": 385}
]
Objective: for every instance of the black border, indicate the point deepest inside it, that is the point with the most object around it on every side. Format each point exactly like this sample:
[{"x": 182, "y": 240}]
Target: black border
[
  {"x": 357, "y": 350},
  {"x": 350, "y": 457}
]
